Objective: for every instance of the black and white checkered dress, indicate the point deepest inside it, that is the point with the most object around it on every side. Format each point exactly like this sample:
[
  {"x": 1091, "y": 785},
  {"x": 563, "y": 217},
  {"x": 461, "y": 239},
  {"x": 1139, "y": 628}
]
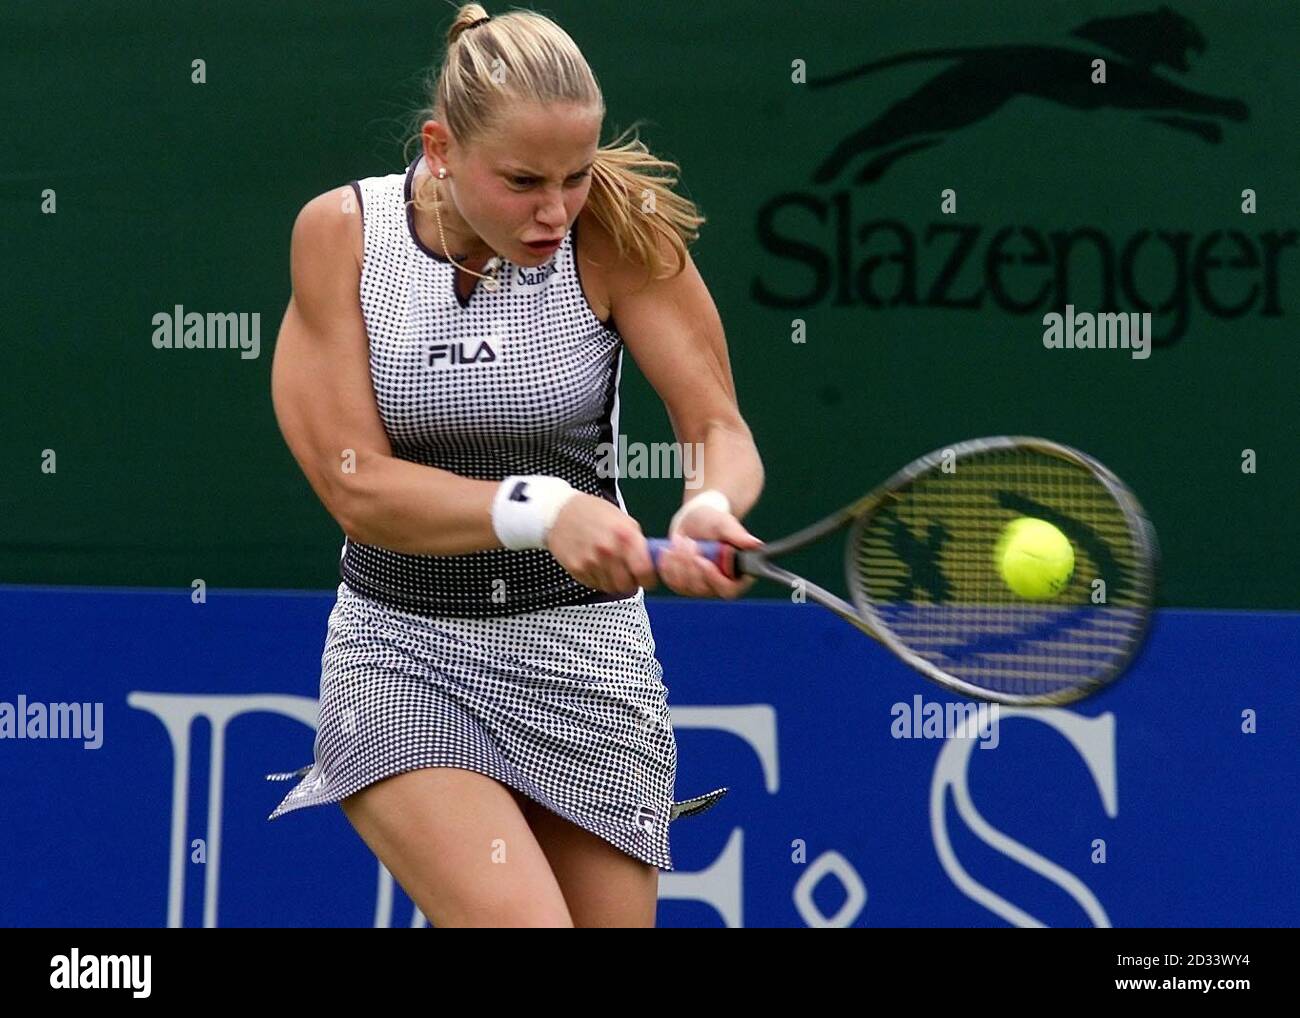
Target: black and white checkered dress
[{"x": 497, "y": 661}]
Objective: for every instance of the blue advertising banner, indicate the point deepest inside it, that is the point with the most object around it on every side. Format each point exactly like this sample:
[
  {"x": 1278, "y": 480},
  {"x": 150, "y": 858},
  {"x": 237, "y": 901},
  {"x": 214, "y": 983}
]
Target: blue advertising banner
[{"x": 860, "y": 794}]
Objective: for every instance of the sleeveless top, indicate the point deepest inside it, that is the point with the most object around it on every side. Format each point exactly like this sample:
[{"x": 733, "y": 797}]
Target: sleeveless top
[{"x": 521, "y": 380}]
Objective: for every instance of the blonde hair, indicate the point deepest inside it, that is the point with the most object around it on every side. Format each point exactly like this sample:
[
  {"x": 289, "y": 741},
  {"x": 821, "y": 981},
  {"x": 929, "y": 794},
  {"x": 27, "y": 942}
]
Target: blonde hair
[{"x": 524, "y": 57}]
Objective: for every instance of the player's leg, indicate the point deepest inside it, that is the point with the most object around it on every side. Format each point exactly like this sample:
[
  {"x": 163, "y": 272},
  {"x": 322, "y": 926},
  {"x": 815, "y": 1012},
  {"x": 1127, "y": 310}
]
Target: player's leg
[
  {"x": 459, "y": 845},
  {"x": 602, "y": 885}
]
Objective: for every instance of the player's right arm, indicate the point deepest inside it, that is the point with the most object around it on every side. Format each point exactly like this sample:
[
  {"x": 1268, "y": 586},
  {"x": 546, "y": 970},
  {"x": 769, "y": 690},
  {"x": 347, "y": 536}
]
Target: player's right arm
[{"x": 325, "y": 405}]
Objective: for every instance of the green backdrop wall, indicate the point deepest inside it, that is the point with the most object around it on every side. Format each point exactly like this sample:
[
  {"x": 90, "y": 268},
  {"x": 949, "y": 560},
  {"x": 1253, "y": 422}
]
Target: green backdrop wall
[{"x": 922, "y": 328}]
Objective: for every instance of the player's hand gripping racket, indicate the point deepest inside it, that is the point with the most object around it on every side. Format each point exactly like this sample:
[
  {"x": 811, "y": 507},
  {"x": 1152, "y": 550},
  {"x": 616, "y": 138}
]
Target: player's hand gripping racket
[{"x": 923, "y": 579}]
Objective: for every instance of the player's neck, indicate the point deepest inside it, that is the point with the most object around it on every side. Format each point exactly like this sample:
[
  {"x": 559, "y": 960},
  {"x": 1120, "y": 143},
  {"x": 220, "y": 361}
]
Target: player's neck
[{"x": 466, "y": 247}]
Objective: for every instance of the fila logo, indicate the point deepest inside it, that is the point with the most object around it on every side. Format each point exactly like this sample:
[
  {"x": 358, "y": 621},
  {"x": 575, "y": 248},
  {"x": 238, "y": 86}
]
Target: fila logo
[
  {"x": 645, "y": 819},
  {"x": 451, "y": 355}
]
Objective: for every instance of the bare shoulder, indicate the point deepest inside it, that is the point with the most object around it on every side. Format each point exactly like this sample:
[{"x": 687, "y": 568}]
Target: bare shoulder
[
  {"x": 325, "y": 257},
  {"x": 330, "y": 224},
  {"x": 606, "y": 277},
  {"x": 596, "y": 255}
]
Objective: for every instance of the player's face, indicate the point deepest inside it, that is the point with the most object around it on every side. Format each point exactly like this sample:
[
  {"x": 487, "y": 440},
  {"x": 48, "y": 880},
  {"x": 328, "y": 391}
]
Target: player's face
[{"x": 528, "y": 180}]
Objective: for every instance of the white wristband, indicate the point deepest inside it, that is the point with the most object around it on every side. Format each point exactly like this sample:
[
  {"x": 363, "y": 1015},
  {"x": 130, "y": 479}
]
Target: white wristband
[
  {"x": 711, "y": 497},
  {"x": 524, "y": 508}
]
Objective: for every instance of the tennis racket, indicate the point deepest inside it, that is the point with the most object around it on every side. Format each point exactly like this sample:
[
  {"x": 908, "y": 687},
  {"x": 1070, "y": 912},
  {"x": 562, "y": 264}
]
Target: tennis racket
[{"x": 922, "y": 579}]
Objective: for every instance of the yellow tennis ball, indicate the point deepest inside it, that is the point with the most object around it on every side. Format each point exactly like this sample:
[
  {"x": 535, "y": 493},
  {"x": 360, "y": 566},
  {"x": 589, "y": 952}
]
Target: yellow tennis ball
[{"x": 1034, "y": 558}]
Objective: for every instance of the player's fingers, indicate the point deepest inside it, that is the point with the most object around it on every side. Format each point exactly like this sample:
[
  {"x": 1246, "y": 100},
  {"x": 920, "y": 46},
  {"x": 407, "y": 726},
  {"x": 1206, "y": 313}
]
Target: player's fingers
[
  {"x": 673, "y": 571},
  {"x": 626, "y": 582},
  {"x": 718, "y": 585},
  {"x": 705, "y": 579},
  {"x": 734, "y": 533},
  {"x": 680, "y": 571},
  {"x": 599, "y": 573},
  {"x": 640, "y": 564},
  {"x": 736, "y": 588},
  {"x": 684, "y": 544},
  {"x": 675, "y": 563},
  {"x": 618, "y": 578}
]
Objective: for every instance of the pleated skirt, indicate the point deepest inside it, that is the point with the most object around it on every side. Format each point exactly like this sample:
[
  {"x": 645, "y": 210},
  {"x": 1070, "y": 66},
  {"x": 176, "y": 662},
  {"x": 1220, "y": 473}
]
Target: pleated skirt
[{"x": 566, "y": 705}]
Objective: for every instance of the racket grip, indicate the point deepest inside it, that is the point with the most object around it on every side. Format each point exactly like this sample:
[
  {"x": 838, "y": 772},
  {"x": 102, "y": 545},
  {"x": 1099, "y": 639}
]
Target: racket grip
[{"x": 720, "y": 553}]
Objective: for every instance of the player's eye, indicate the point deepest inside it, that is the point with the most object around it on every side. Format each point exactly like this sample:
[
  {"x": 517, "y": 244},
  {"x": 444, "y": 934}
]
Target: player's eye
[{"x": 530, "y": 181}]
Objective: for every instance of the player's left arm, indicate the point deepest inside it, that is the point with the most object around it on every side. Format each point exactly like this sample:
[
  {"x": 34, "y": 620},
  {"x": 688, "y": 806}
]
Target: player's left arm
[{"x": 673, "y": 330}]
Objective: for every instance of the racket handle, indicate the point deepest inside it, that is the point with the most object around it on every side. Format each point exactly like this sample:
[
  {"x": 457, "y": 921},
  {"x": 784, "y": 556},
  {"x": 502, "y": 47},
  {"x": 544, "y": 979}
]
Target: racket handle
[{"x": 720, "y": 553}]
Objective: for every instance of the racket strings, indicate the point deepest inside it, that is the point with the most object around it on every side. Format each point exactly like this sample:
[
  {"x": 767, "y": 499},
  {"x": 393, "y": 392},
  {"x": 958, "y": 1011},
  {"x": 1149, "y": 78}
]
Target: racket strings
[{"x": 925, "y": 566}]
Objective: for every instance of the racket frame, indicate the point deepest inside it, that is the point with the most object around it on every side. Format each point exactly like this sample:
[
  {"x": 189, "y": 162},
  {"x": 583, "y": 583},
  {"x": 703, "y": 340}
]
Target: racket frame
[{"x": 862, "y": 613}]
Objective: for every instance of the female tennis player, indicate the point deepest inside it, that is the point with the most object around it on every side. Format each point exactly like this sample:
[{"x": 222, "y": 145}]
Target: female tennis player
[{"x": 492, "y": 717}]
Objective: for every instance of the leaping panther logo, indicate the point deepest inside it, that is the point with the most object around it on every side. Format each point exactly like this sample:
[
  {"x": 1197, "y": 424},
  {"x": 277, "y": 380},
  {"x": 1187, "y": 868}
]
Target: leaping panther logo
[{"x": 983, "y": 79}]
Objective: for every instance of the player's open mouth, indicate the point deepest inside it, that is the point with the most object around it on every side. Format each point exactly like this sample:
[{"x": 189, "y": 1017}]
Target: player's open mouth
[{"x": 543, "y": 246}]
